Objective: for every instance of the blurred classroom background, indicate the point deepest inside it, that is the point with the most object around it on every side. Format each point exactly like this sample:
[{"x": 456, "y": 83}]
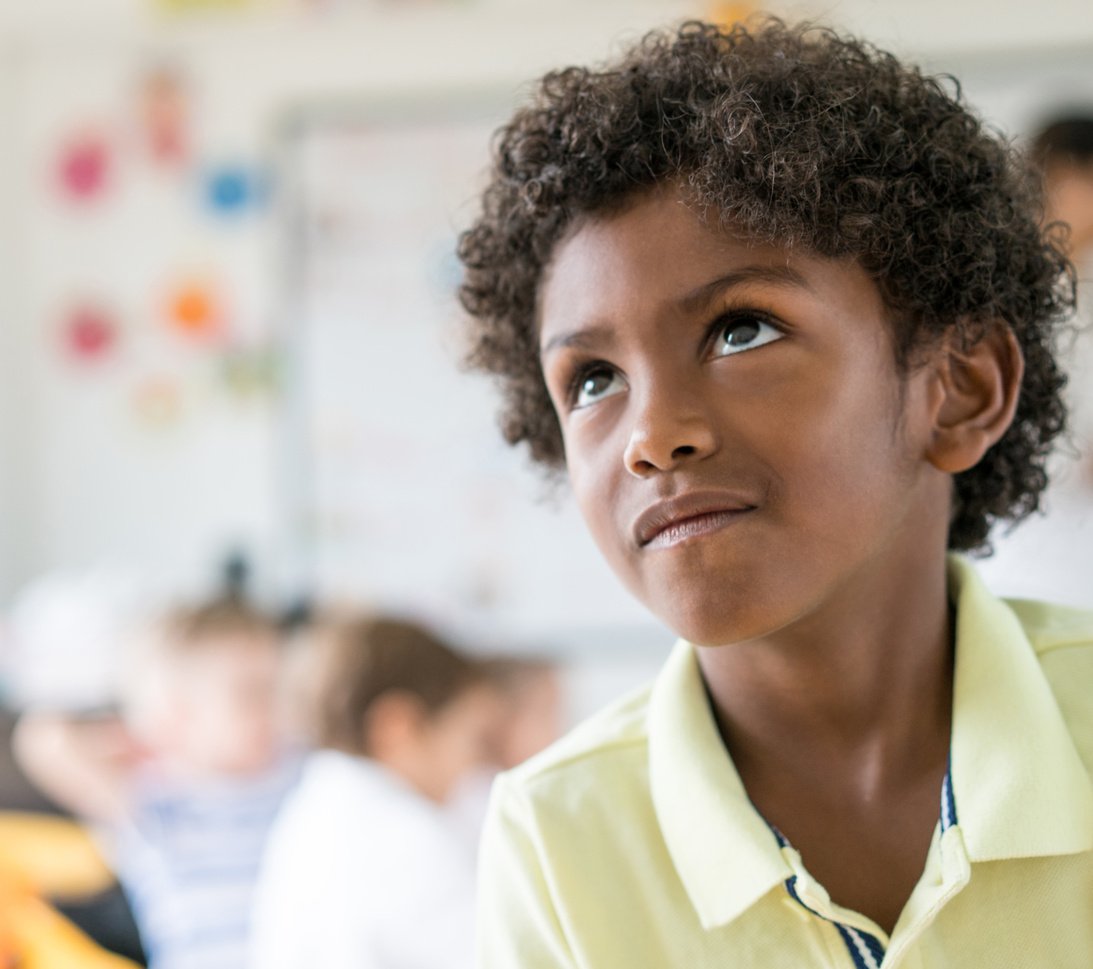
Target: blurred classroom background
[
  {"x": 226, "y": 314},
  {"x": 228, "y": 337}
]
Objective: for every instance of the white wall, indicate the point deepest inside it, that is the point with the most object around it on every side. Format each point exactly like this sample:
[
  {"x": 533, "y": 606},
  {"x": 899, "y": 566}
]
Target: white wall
[
  {"x": 13, "y": 480},
  {"x": 73, "y": 485},
  {"x": 81, "y": 481}
]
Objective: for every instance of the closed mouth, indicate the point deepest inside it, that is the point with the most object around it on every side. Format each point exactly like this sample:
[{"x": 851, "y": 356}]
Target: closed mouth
[
  {"x": 694, "y": 527},
  {"x": 676, "y": 520}
]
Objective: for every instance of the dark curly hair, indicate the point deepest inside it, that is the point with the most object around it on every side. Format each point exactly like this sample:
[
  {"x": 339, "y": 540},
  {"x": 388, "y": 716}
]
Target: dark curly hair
[{"x": 797, "y": 136}]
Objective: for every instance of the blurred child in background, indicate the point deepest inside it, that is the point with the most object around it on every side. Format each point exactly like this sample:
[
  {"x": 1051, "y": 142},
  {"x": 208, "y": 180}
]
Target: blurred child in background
[
  {"x": 531, "y": 718},
  {"x": 186, "y": 780},
  {"x": 1063, "y": 149},
  {"x": 1060, "y": 539},
  {"x": 531, "y": 692},
  {"x": 365, "y": 867}
]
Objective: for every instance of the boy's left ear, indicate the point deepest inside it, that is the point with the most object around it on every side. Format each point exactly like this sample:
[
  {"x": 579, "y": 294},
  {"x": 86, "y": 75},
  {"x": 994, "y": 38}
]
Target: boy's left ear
[{"x": 973, "y": 396}]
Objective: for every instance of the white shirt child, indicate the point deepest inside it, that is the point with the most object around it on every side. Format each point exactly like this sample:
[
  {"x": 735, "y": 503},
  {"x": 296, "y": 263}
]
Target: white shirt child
[{"x": 363, "y": 872}]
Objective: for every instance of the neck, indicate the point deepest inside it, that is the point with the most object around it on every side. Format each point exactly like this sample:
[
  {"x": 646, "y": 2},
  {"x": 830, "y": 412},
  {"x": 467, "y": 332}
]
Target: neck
[{"x": 860, "y": 688}]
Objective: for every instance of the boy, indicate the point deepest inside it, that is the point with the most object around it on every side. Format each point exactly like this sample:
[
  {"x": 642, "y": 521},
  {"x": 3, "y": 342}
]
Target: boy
[
  {"x": 364, "y": 868},
  {"x": 780, "y": 307},
  {"x": 186, "y": 781}
]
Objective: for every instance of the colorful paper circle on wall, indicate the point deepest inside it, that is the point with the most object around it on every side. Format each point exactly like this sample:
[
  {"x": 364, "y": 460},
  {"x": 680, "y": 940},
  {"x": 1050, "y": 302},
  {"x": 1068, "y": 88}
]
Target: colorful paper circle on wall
[
  {"x": 89, "y": 332},
  {"x": 194, "y": 310},
  {"x": 83, "y": 168},
  {"x": 232, "y": 189},
  {"x": 157, "y": 401},
  {"x": 165, "y": 115},
  {"x": 250, "y": 373}
]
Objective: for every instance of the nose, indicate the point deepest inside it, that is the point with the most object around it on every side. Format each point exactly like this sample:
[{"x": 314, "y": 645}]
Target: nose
[{"x": 668, "y": 430}]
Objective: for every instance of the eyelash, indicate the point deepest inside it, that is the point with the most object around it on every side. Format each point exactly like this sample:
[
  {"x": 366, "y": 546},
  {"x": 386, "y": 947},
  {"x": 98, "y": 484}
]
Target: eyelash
[
  {"x": 591, "y": 368},
  {"x": 580, "y": 374},
  {"x": 739, "y": 317}
]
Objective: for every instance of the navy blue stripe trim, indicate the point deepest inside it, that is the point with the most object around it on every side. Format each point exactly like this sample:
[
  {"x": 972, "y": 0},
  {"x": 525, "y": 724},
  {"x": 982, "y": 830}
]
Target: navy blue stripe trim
[
  {"x": 855, "y": 956},
  {"x": 871, "y": 942},
  {"x": 948, "y": 800},
  {"x": 791, "y": 887},
  {"x": 876, "y": 950},
  {"x": 852, "y": 937}
]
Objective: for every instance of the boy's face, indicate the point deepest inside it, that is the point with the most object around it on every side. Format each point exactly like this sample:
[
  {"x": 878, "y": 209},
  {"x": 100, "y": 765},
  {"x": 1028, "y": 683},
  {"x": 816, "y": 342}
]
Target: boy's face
[
  {"x": 455, "y": 740},
  {"x": 737, "y": 435},
  {"x": 225, "y": 711}
]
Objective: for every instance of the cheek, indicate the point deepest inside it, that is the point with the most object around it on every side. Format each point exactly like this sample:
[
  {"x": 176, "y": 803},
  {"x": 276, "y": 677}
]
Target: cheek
[
  {"x": 596, "y": 472},
  {"x": 598, "y": 504}
]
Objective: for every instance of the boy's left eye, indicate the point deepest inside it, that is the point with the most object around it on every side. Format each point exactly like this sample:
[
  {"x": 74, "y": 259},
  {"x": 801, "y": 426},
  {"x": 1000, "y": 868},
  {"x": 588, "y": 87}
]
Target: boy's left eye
[{"x": 739, "y": 333}]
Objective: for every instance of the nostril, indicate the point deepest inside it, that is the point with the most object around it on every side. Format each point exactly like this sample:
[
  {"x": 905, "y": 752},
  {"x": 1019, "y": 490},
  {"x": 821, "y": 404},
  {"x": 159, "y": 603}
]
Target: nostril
[{"x": 647, "y": 453}]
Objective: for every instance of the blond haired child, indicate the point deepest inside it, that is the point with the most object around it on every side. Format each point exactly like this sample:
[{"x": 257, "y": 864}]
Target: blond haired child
[{"x": 185, "y": 782}]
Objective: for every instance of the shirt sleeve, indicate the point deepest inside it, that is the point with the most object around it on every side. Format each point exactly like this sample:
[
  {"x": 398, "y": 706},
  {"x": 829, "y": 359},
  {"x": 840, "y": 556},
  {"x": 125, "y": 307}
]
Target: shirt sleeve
[{"x": 518, "y": 926}]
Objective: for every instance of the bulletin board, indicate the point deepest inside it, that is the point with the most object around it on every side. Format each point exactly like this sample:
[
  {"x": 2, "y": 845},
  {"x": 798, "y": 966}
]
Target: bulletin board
[{"x": 402, "y": 491}]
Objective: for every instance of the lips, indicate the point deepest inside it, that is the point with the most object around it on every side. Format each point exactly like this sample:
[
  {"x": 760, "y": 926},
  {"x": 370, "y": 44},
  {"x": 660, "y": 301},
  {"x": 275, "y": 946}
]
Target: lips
[{"x": 674, "y": 520}]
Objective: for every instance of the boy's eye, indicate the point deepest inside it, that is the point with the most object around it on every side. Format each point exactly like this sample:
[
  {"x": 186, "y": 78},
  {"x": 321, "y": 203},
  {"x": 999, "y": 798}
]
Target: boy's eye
[
  {"x": 745, "y": 332},
  {"x": 595, "y": 384}
]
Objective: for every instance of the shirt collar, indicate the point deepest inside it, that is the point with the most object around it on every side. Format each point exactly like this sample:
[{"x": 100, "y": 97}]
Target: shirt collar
[
  {"x": 726, "y": 856},
  {"x": 1019, "y": 786}
]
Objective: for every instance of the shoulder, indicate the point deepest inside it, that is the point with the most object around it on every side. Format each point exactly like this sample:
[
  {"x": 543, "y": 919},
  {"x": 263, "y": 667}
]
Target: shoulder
[
  {"x": 595, "y": 773},
  {"x": 1062, "y": 638},
  {"x": 1051, "y": 627},
  {"x": 616, "y": 732}
]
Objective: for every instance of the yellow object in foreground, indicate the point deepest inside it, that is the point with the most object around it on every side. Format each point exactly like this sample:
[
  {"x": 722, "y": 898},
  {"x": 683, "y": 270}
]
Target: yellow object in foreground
[
  {"x": 633, "y": 843},
  {"x": 34, "y": 936},
  {"x": 50, "y": 855},
  {"x": 58, "y": 856}
]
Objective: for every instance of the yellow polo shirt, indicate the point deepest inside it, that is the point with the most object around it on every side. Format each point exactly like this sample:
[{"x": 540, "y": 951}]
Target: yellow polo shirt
[{"x": 631, "y": 844}]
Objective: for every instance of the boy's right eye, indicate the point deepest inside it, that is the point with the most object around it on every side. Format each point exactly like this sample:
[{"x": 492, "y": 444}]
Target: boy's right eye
[{"x": 595, "y": 383}]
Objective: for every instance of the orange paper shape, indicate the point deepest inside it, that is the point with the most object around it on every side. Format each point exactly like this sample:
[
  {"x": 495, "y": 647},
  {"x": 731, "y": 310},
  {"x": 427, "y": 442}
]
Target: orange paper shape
[{"x": 194, "y": 310}]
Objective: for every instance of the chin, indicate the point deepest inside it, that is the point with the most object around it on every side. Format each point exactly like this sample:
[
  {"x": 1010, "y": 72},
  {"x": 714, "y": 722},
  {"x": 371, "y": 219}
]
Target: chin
[
  {"x": 708, "y": 634},
  {"x": 717, "y": 619},
  {"x": 700, "y": 628}
]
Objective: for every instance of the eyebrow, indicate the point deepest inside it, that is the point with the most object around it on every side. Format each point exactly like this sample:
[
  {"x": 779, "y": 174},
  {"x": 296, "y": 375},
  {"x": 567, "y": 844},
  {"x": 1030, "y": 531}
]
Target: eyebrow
[
  {"x": 778, "y": 275},
  {"x": 586, "y": 338},
  {"x": 593, "y": 336}
]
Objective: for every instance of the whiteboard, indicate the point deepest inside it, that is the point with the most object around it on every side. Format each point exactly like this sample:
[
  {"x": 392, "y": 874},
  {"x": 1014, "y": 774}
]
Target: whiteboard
[
  {"x": 403, "y": 492},
  {"x": 400, "y": 489}
]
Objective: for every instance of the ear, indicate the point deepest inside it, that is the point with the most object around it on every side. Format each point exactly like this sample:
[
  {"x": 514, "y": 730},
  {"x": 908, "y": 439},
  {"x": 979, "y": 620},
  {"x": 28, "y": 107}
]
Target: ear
[
  {"x": 393, "y": 723},
  {"x": 974, "y": 396}
]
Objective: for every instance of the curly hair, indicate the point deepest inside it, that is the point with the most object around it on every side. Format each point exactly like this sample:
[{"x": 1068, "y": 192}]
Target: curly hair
[{"x": 797, "y": 136}]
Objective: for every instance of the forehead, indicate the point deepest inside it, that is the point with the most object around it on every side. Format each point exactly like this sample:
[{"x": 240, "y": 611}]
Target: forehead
[
  {"x": 658, "y": 257},
  {"x": 224, "y": 651}
]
